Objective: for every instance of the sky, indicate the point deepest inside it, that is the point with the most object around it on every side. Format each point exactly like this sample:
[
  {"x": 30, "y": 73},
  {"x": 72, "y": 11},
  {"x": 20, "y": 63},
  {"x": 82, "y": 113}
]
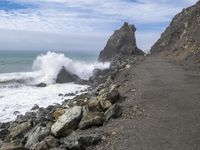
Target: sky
[{"x": 81, "y": 24}]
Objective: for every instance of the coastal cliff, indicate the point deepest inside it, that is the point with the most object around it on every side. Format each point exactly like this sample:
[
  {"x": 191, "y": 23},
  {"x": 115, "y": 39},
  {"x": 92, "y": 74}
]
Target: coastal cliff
[{"x": 181, "y": 39}]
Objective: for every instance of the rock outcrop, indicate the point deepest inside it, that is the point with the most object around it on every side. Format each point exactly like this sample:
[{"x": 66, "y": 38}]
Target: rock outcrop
[
  {"x": 181, "y": 39},
  {"x": 123, "y": 42},
  {"x": 65, "y": 76}
]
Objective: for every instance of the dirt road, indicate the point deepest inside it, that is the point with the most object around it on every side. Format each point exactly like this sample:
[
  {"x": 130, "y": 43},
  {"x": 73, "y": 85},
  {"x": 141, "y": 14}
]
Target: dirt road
[{"x": 161, "y": 109}]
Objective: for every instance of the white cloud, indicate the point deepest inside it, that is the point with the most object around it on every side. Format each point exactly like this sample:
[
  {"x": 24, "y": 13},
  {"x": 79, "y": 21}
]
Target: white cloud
[
  {"x": 29, "y": 40},
  {"x": 96, "y": 17}
]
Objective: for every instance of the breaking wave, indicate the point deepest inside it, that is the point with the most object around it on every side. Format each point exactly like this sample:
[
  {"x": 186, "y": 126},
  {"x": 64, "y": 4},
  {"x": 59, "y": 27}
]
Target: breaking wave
[{"x": 47, "y": 66}]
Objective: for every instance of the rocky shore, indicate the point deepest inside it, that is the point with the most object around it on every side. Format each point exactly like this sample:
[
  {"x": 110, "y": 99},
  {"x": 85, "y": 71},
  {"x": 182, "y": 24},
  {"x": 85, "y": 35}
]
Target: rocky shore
[
  {"x": 84, "y": 121},
  {"x": 77, "y": 123},
  {"x": 66, "y": 125}
]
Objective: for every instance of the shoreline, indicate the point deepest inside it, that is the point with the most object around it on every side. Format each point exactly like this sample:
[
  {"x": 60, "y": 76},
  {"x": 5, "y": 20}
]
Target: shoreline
[{"x": 104, "y": 109}]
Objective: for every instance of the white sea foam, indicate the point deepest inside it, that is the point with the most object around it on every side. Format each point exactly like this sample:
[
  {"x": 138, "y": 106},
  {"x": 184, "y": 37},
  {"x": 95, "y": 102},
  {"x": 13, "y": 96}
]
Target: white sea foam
[
  {"x": 22, "y": 98},
  {"x": 46, "y": 68},
  {"x": 17, "y": 92}
]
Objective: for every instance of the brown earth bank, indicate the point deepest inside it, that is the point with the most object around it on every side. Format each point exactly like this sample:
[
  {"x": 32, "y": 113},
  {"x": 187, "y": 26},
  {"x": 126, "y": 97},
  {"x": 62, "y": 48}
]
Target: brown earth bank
[{"x": 160, "y": 109}]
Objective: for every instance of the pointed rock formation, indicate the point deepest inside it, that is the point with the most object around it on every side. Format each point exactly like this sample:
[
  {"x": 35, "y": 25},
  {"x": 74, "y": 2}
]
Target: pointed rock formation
[
  {"x": 121, "y": 42},
  {"x": 65, "y": 76},
  {"x": 181, "y": 39}
]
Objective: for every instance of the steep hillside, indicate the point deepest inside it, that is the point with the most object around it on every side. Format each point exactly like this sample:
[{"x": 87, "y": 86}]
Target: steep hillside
[{"x": 182, "y": 38}]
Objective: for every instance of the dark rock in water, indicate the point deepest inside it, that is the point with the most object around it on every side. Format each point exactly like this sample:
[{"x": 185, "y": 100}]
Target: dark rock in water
[
  {"x": 35, "y": 107},
  {"x": 65, "y": 76},
  {"x": 16, "y": 113},
  {"x": 123, "y": 42},
  {"x": 181, "y": 38},
  {"x": 60, "y": 94},
  {"x": 41, "y": 85},
  {"x": 69, "y": 94}
]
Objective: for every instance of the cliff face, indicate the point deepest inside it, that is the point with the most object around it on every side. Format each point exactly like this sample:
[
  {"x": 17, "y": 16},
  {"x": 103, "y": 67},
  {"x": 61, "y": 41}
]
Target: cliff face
[
  {"x": 121, "y": 42},
  {"x": 182, "y": 38}
]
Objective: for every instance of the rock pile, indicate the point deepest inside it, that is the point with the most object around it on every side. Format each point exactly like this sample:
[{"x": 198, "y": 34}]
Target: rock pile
[{"x": 63, "y": 126}]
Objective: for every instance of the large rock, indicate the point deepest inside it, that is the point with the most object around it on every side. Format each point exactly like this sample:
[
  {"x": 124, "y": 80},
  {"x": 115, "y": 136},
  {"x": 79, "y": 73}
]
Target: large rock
[
  {"x": 79, "y": 141},
  {"x": 113, "y": 112},
  {"x": 36, "y": 135},
  {"x": 51, "y": 141},
  {"x": 93, "y": 104},
  {"x": 91, "y": 119},
  {"x": 65, "y": 76},
  {"x": 20, "y": 130},
  {"x": 40, "y": 146},
  {"x": 181, "y": 39},
  {"x": 4, "y": 131},
  {"x": 113, "y": 96},
  {"x": 121, "y": 42},
  {"x": 67, "y": 122},
  {"x": 14, "y": 145}
]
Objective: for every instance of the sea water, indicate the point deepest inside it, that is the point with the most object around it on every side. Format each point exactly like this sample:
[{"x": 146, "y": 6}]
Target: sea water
[{"x": 20, "y": 71}]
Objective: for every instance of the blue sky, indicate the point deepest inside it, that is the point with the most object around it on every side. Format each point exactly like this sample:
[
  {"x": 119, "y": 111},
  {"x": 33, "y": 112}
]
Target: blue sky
[{"x": 81, "y": 24}]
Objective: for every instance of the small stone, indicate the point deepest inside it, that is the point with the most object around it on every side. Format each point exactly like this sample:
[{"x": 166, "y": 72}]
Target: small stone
[
  {"x": 114, "y": 133},
  {"x": 133, "y": 90},
  {"x": 41, "y": 85},
  {"x": 128, "y": 66}
]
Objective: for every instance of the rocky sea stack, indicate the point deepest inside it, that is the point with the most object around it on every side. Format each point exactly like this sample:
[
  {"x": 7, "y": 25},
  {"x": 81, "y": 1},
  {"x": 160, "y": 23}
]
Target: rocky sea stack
[
  {"x": 65, "y": 76},
  {"x": 181, "y": 39},
  {"x": 122, "y": 42}
]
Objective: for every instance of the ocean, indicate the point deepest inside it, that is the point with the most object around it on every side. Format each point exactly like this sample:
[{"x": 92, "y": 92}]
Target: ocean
[{"x": 20, "y": 71}]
